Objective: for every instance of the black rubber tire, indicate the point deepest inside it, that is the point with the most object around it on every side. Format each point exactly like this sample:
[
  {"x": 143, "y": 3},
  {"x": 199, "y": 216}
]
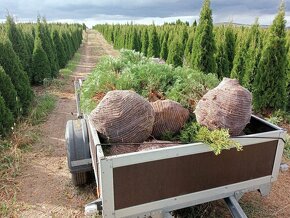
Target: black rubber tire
[{"x": 79, "y": 178}]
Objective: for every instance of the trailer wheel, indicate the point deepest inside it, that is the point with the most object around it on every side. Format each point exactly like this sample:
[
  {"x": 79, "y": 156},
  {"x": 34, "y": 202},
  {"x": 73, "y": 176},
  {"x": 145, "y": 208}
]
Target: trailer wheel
[
  {"x": 78, "y": 151},
  {"x": 80, "y": 178}
]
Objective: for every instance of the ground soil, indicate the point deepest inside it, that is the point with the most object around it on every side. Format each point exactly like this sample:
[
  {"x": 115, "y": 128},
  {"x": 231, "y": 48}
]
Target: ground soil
[{"x": 45, "y": 187}]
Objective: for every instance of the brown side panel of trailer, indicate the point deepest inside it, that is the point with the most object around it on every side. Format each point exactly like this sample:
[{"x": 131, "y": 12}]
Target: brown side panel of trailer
[{"x": 157, "y": 180}]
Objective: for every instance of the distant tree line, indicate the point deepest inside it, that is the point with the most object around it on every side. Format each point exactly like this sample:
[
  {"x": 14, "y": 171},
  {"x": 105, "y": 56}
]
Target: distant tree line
[
  {"x": 258, "y": 57},
  {"x": 29, "y": 53}
]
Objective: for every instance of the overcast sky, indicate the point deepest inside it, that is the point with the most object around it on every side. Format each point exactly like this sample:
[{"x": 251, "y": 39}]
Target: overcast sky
[{"x": 141, "y": 11}]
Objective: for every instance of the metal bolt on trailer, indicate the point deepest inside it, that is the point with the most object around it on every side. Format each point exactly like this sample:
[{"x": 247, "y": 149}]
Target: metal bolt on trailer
[{"x": 154, "y": 183}]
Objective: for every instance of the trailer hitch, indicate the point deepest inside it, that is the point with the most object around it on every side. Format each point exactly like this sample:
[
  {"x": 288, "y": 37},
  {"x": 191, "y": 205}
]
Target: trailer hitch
[{"x": 94, "y": 207}]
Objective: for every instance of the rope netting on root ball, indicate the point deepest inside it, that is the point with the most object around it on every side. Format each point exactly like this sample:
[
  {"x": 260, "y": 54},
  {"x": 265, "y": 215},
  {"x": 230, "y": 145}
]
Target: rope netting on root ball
[
  {"x": 123, "y": 116},
  {"x": 170, "y": 117},
  {"x": 228, "y": 106}
]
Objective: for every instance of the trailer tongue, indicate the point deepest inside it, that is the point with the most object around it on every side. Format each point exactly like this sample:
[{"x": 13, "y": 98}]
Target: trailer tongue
[{"x": 156, "y": 182}]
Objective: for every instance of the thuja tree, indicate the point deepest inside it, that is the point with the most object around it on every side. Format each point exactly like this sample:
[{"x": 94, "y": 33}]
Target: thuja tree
[
  {"x": 164, "y": 48},
  {"x": 44, "y": 36},
  {"x": 253, "y": 56},
  {"x": 6, "y": 118},
  {"x": 175, "y": 54},
  {"x": 133, "y": 44},
  {"x": 40, "y": 63},
  {"x": 60, "y": 53},
  {"x": 153, "y": 46},
  {"x": 188, "y": 47},
  {"x": 12, "y": 66},
  {"x": 9, "y": 93},
  {"x": 238, "y": 70},
  {"x": 144, "y": 41},
  {"x": 203, "y": 43},
  {"x": 54, "y": 71},
  {"x": 222, "y": 55},
  {"x": 18, "y": 43},
  {"x": 270, "y": 84},
  {"x": 230, "y": 41}
]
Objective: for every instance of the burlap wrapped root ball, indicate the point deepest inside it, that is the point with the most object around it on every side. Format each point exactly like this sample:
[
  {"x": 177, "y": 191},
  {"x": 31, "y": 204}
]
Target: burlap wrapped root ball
[
  {"x": 229, "y": 106},
  {"x": 124, "y": 117},
  {"x": 170, "y": 117}
]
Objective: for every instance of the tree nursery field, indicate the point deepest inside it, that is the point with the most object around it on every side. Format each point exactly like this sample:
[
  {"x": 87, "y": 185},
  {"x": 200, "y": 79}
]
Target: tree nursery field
[
  {"x": 31, "y": 53},
  {"x": 143, "y": 88},
  {"x": 254, "y": 55}
]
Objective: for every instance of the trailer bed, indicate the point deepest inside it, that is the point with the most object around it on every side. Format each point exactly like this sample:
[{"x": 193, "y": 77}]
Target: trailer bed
[{"x": 165, "y": 179}]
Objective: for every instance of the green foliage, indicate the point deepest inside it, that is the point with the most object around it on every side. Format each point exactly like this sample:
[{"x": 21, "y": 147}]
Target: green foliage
[
  {"x": 188, "y": 48},
  {"x": 145, "y": 42},
  {"x": 18, "y": 43},
  {"x": 43, "y": 105},
  {"x": 189, "y": 86},
  {"x": 9, "y": 93},
  {"x": 230, "y": 42},
  {"x": 275, "y": 119},
  {"x": 253, "y": 56},
  {"x": 131, "y": 70},
  {"x": 278, "y": 117},
  {"x": 204, "y": 43},
  {"x": 40, "y": 63},
  {"x": 134, "y": 44},
  {"x": 60, "y": 54},
  {"x": 238, "y": 70},
  {"x": 164, "y": 48},
  {"x": 222, "y": 56},
  {"x": 175, "y": 54},
  {"x": 287, "y": 147},
  {"x": 270, "y": 85},
  {"x": 217, "y": 140},
  {"x": 48, "y": 46},
  {"x": 6, "y": 118},
  {"x": 189, "y": 132},
  {"x": 11, "y": 65},
  {"x": 153, "y": 46}
]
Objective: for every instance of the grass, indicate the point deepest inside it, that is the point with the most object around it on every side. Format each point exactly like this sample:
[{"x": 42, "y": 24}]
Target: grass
[
  {"x": 11, "y": 149},
  {"x": 24, "y": 135},
  {"x": 280, "y": 117},
  {"x": 252, "y": 205},
  {"x": 71, "y": 66},
  {"x": 287, "y": 147},
  {"x": 6, "y": 208},
  {"x": 43, "y": 106}
]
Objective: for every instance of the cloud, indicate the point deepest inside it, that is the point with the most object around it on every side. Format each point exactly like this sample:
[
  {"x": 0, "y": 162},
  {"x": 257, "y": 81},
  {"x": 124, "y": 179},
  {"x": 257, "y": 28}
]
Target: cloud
[{"x": 141, "y": 10}]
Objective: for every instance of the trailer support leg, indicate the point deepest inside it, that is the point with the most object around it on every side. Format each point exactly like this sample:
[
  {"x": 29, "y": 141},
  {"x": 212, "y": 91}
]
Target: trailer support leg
[{"x": 235, "y": 208}]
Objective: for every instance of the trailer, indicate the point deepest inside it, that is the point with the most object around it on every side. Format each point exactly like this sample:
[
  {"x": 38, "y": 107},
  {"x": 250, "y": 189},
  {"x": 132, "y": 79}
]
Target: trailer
[{"x": 156, "y": 182}]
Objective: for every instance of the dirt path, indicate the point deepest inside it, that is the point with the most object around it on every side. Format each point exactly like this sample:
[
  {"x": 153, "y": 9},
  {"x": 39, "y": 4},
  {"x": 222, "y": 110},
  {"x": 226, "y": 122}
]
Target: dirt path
[{"x": 45, "y": 187}]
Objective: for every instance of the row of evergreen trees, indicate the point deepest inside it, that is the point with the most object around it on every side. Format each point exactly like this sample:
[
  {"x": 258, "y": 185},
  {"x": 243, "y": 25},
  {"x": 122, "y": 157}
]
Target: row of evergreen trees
[
  {"x": 258, "y": 57},
  {"x": 29, "y": 53}
]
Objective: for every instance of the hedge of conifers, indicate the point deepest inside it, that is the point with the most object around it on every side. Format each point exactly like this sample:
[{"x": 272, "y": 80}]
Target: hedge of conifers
[
  {"x": 29, "y": 53},
  {"x": 258, "y": 57}
]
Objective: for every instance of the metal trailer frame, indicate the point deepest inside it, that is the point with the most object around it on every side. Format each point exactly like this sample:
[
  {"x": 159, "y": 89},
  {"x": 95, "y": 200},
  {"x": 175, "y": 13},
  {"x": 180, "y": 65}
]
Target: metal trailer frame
[{"x": 104, "y": 167}]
